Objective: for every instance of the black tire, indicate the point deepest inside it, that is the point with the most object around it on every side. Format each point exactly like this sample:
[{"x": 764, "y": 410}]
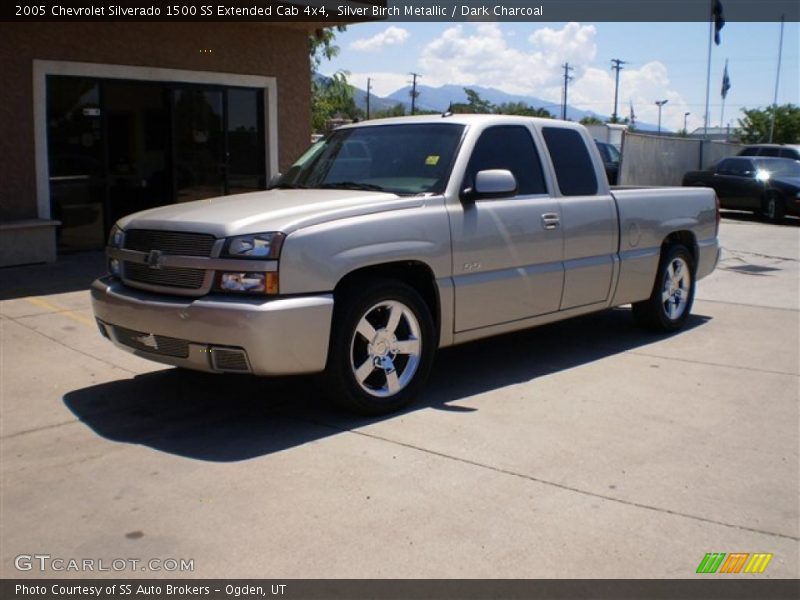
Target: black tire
[
  {"x": 671, "y": 300},
  {"x": 774, "y": 208},
  {"x": 382, "y": 374}
]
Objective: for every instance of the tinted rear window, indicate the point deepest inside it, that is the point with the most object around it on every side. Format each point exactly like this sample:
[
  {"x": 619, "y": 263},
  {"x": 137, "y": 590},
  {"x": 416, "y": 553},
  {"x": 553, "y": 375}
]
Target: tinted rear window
[{"x": 571, "y": 160}]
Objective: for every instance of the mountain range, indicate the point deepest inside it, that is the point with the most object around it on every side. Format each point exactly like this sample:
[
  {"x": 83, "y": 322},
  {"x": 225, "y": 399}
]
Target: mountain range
[{"x": 440, "y": 98}]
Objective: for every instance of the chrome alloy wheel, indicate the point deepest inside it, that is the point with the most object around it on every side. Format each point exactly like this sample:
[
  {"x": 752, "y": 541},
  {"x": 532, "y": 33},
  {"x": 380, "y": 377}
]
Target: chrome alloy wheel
[
  {"x": 385, "y": 348},
  {"x": 677, "y": 286}
]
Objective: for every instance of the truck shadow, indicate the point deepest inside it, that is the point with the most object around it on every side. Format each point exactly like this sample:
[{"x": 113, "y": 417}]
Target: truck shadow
[{"x": 224, "y": 418}]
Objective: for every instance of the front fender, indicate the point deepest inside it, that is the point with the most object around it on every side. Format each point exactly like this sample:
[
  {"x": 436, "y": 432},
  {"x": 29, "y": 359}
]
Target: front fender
[{"x": 316, "y": 258}]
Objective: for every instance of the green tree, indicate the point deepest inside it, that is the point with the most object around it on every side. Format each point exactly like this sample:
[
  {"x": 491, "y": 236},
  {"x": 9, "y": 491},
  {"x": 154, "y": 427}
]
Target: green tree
[
  {"x": 522, "y": 109},
  {"x": 332, "y": 97},
  {"x": 398, "y": 110},
  {"x": 756, "y": 124},
  {"x": 474, "y": 104},
  {"x": 321, "y": 45},
  {"x": 591, "y": 120}
]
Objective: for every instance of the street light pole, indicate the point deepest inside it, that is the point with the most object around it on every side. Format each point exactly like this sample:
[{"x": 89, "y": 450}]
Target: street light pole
[
  {"x": 685, "y": 131},
  {"x": 660, "y": 103}
]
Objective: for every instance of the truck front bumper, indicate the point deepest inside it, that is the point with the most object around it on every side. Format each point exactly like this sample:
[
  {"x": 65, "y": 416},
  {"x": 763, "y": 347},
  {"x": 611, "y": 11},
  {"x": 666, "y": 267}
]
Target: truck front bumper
[{"x": 281, "y": 336}]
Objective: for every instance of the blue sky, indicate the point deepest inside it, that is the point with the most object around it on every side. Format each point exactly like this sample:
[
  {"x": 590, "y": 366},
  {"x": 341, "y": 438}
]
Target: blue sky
[{"x": 665, "y": 61}]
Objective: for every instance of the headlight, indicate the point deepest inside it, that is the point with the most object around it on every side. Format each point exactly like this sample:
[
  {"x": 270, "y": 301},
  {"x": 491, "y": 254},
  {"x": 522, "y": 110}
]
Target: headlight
[
  {"x": 249, "y": 283},
  {"x": 116, "y": 237},
  {"x": 256, "y": 245},
  {"x": 115, "y": 240}
]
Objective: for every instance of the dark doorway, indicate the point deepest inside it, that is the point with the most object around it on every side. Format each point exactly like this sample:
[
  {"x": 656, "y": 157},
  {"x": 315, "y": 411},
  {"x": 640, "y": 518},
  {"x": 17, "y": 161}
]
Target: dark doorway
[
  {"x": 137, "y": 118},
  {"x": 116, "y": 147}
]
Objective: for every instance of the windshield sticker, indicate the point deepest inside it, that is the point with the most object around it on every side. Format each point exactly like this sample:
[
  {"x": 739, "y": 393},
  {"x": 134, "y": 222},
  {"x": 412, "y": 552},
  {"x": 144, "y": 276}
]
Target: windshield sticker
[{"x": 432, "y": 160}]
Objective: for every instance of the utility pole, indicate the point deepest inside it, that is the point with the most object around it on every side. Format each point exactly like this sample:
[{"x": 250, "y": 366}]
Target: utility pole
[
  {"x": 660, "y": 103},
  {"x": 369, "y": 82},
  {"x": 616, "y": 66},
  {"x": 414, "y": 92},
  {"x": 685, "y": 131},
  {"x": 567, "y": 79},
  {"x": 777, "y": 81}
]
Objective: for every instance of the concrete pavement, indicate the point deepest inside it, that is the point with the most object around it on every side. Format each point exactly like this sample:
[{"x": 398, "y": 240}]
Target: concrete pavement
[{"x": 583, "y": 449}]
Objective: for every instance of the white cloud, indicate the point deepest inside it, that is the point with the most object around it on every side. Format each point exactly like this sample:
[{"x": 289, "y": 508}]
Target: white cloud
[
  {"x": 573, "y": 43},
  {"x": 391, "y": 36},
  {"x": 482, "y": 54}
]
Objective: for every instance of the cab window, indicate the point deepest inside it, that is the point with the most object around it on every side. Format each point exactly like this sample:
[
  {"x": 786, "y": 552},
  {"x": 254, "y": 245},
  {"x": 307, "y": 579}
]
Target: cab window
[
  {"x": 508, "y": 147},
  {"x": 571, "y": 161}
]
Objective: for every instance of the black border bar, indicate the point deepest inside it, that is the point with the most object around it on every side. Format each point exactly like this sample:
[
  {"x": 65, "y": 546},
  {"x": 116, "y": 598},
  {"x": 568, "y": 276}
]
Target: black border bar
[
  {"x": 337, "y": 11},
  {"x": 715, "y": 587}
]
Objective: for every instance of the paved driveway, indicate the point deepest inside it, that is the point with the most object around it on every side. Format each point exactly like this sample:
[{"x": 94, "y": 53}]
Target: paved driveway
[{"x": 582, "y": 449}]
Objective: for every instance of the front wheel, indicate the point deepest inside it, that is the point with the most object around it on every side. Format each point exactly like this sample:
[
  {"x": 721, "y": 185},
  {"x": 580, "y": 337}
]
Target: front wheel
[
  {"x": 381, "y": 348},
  {"x": 670, "y": 303},
  {"x": 774, "y": 208}
]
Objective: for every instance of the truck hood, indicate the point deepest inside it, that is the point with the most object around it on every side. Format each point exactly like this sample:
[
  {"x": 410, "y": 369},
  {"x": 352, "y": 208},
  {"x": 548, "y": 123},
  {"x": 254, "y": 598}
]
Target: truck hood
[{"x": 272, "y": 210}]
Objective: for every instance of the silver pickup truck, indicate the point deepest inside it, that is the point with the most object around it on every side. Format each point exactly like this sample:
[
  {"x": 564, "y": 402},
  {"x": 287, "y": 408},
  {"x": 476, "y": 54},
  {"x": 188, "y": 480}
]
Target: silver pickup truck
[{"x": 392, "y": 238}]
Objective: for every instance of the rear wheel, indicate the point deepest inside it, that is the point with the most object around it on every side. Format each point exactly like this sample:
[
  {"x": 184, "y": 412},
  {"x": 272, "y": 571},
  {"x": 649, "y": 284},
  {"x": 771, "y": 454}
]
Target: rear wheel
[
  {"x": 671, "y": 300},
  {"x": 381, "y": 348}
]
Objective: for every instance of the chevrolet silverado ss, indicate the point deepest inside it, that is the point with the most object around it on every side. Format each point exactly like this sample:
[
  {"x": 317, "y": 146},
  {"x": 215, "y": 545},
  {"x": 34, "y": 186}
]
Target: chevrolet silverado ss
[{"x": 390, "y": 239}]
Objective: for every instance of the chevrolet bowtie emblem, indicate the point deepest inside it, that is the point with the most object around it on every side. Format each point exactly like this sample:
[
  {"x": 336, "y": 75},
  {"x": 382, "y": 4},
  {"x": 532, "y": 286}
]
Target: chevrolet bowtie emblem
[{"x": 155, "y": 259}]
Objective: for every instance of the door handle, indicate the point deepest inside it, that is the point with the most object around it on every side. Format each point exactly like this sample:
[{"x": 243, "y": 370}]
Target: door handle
[{"x": 550, "y": 220}]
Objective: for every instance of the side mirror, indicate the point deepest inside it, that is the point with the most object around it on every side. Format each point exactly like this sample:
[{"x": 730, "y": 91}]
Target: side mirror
[{"x": 492, "y": 183}]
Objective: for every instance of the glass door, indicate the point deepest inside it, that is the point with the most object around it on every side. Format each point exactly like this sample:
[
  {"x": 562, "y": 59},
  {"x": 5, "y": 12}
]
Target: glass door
[
  {"x": 198, "y": 143},
  {"x": 76, "y": 162},
  {"x": 245, "y": 141}
]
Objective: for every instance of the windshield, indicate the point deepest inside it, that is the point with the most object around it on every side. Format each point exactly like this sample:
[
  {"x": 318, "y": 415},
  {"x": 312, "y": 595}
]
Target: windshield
[
  {"x": 400, "y": 159},
  {"x": 780, "y": 168}
]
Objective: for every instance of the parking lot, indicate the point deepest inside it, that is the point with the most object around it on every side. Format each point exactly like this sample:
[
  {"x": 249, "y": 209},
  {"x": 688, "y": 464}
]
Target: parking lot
[{"x": 584, "y": 449}]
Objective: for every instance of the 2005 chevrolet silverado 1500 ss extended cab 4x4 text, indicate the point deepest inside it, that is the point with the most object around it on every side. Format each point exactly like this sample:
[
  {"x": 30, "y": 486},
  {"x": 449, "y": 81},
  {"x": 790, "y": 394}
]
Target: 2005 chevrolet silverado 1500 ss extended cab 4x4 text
[{"x": 392, "y": 238}]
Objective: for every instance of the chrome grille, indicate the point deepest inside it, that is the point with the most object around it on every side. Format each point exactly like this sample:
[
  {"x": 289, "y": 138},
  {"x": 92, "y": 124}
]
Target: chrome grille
[
  {"x": 155, "y": 344},
  {"x": 170, "y": 242},
  {"x": 179, "y": 277}
]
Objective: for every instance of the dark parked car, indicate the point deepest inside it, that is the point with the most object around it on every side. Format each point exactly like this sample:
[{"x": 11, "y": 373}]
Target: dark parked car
[
  {"x": 775, "y": 150},
  {"x": 611, "y": 157},
  {"x": 768, "y": 186}
]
